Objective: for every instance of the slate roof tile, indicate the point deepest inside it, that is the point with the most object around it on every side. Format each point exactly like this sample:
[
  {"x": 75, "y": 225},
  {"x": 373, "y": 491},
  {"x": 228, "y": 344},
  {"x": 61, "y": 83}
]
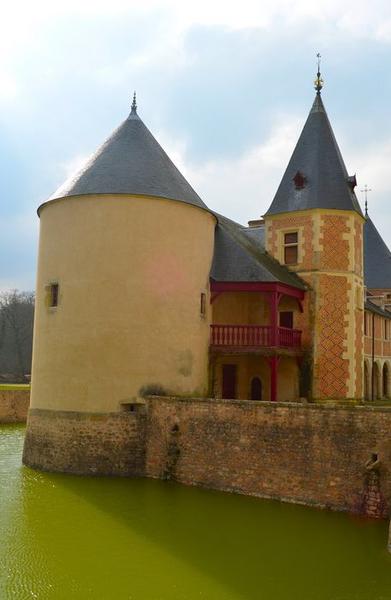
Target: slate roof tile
[
  {"x": 318, "y": 159},
  {"x": 131, "y": 162},
  {"x": 377, "y": 258},
  {"x": 239, "y": 255}
]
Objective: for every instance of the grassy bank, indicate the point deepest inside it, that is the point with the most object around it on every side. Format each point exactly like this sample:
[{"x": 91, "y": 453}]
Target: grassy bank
[{"x": 14, "y": 386}]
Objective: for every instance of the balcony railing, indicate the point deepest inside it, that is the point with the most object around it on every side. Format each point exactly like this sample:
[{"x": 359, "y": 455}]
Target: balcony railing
[{"x": 244, "y": 336}]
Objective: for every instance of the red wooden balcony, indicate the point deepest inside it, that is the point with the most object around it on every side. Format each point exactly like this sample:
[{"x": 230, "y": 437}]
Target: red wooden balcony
[{"x": 262, "y": 336}]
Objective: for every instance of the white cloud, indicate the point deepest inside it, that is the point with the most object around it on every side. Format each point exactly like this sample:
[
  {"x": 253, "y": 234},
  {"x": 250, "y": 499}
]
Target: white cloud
[
  {"x": 71, "y": 167},
  {"x": 373, "y": 165},
  {"x": 8, "y": 86},
  {"x": 241, "y": 188},
  {"x": 68, "y": 171}
]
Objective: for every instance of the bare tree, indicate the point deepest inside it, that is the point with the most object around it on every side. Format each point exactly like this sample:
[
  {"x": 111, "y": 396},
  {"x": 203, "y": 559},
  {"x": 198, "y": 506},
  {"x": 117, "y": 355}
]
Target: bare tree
[{"x": 16, "y": 332}]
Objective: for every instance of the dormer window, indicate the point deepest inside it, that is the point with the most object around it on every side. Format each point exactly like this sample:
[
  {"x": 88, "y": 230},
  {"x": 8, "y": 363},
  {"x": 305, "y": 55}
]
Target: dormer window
[
  {"x": 352, "y": 182},
  {"x": 299, "y": 180},
  {"x": 291, "y": 252}
]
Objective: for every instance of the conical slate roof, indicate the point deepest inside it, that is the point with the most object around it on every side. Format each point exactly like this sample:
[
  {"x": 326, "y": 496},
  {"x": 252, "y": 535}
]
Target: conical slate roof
[
  {"x": 377, "y": 258},
  {"x": 131, "y": 162},
  {"x": 323, "y": 181}
]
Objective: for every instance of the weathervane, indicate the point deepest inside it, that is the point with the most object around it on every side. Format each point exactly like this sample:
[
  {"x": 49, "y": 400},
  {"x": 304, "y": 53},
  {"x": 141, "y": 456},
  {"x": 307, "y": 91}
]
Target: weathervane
[
  {"x": 365, "y": 191},
  {"x": 318, "y": 83}
]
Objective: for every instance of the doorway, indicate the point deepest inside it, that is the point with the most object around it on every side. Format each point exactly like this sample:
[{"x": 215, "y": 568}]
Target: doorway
[
  {"x": 256, "y": 389},
  {"x": 229, "y": 382},
  {"x": 286, "y": 319}
]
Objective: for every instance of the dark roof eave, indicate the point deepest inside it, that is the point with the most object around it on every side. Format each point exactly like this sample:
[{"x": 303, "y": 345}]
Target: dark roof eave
[
  {"x": 125, "y": 194},
  {"x": 373, "y": 308},
  {"x": 308, "y": 209}
]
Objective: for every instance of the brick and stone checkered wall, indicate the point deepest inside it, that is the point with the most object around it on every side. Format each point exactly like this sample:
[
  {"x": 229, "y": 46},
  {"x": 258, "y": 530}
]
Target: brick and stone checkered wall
[
  {"x": 14, "y": 405},
  {"x": 331, "y": 371}
]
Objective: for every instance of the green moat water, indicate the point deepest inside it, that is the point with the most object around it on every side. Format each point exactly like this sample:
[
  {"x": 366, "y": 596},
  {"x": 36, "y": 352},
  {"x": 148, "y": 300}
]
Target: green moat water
[{"x": 66, "y": 537}]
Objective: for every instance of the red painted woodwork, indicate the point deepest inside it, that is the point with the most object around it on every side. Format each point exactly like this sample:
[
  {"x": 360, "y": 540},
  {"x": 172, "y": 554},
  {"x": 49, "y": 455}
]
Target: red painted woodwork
[
  {"x": 289, "y": 338},
  {"x": 273, "y": 364},
  {"x": 274, "y": 300},
  {"x": 254, "y": 336},
  {"x": 250, "y": 286},
  {"x": 229, "y": 382}
]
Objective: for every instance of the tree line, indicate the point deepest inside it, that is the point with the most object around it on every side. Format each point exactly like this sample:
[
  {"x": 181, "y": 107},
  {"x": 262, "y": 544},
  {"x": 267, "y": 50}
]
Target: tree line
[{"x": 16, "y": 335}]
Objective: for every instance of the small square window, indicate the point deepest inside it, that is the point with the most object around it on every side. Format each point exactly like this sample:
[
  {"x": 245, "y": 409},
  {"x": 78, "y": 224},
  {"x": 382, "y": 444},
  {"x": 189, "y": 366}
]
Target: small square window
[
  {"x": 291, "y": 248},
  {"x": 290, "y": 255},
  {"x": 290, "y": 238},
  {"x": 53, "y": 298},
  {"x": 286, "y": 319}
]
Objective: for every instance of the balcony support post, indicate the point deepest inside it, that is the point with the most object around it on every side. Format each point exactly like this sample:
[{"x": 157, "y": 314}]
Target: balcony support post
[
  {"x": 273, "y": 365},
  {"x": 274, "y": 301}
]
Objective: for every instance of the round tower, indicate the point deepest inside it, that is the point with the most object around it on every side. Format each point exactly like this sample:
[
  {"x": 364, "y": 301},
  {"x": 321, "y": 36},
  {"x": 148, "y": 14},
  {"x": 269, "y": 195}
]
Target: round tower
[{"x": 122, "y": 305}]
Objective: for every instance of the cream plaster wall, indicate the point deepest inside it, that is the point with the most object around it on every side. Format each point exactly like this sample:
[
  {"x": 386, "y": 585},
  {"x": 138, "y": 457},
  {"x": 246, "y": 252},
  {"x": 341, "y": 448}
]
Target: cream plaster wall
[
  {"x": 240, "y": 308},
  {"x": 130, "y": 272}
]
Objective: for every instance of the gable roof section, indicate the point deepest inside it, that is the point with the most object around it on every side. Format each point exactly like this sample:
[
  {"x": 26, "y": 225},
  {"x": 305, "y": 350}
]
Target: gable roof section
[
  {"x": 377, "y": 258},
  {"x": 374, "y": 308},
  {"x": 131, "y": 162},
  {"x": 317, "y": 158},
  {"x": 240, "y": 257}
]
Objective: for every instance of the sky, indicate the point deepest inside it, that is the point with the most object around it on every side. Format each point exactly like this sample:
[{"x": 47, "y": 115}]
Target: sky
[{"x": 225, "y": 87}]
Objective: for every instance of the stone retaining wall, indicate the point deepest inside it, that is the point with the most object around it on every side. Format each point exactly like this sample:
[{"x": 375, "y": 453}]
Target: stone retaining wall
[
  {"x": 309, "y": 454},
  {"x": 14, "y": 405},
  {"x": 86, "y": 443}
]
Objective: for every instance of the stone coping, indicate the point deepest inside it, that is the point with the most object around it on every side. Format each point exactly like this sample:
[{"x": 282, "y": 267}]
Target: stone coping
[
  {"x": 80, "y": 415},
  {"x": 351, "y": 406},
  {"x": 326, "y": 406}
]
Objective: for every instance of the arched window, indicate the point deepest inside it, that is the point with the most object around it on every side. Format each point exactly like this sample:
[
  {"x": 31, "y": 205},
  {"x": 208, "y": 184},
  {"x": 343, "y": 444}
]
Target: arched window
[
  {"x": 256, "y": 389},
  {"x": 377, "y": 387}
]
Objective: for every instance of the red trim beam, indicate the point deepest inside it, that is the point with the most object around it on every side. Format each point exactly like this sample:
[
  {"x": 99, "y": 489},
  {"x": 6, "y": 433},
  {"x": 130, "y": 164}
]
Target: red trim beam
[{"x": 217, "y": 287}]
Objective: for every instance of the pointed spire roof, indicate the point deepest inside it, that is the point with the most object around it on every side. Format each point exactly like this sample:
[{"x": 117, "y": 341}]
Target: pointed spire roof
[
  {"x": 131, "y": 162},
  {"x": 316, "y": 176},
  {"x": 377, "y": 258}
]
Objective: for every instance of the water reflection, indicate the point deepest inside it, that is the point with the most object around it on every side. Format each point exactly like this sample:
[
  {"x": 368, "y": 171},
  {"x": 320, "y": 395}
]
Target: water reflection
[{"x": 75, "y": 537}]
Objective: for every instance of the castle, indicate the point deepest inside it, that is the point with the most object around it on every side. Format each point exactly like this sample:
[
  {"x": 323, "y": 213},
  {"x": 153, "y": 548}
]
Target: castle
[{"x": 143, "y": 293}]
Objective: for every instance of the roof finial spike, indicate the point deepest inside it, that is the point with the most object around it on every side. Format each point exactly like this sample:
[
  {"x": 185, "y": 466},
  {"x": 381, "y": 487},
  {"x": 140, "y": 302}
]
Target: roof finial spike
[
  {"x": 134, "y": 104},
  {"x": 318, "y": 83},
  {"x": 365, "y": 191}
]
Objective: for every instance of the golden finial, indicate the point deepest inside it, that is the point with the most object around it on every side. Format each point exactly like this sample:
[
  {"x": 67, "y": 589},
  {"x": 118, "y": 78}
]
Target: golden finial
[{"x": 318, "y": 83}]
